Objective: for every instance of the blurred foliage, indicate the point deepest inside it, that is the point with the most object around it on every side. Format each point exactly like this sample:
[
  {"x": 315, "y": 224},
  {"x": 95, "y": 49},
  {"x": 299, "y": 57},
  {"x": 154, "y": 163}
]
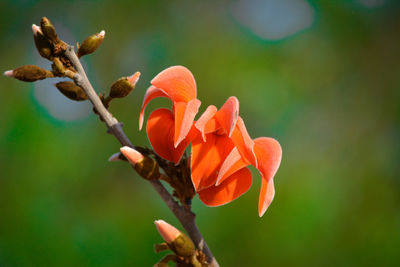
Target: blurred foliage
[{"x": 330, "y": 94}]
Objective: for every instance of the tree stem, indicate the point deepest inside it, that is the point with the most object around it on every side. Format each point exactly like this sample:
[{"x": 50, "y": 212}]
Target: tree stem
[{"x": 185, "y": 216}]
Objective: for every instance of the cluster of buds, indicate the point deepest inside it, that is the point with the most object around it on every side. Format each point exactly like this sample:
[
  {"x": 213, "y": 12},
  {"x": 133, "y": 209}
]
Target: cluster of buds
[
  {"x": 52, "y": 48},
  {"x": 185, "y": 252}
]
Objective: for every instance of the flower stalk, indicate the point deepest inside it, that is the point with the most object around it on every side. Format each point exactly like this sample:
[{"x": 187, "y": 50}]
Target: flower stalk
[{"x": 185, "y": 216}]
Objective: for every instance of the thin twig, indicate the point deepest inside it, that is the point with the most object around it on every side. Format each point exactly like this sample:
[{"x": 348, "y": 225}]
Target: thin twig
[{"x": 186, "y": 217}]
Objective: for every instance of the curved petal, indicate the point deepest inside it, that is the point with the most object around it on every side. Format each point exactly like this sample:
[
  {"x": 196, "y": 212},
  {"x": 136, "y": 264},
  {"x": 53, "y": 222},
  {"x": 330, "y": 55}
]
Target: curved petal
[
  {"x": 206, "y": 159},
  {"x": 232, "y": 164},
  {"x": 177, "y": 82},
  {"x": 184, "y": 117},
  {"x": 151, "y": 93},
  {"x": 202, "y": 122},
  {"x": 227, "y": 115},
  {"x": 244, "y": 143},
  {"x": 269, "y": 154},
  {"x": 233, "y": 187},
  {"x": 267, "y": 194},
  {"x": 160, "y": 131}
]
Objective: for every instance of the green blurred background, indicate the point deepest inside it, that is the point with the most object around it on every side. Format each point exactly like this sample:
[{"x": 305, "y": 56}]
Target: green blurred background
[{"x": 322, "y": 77}]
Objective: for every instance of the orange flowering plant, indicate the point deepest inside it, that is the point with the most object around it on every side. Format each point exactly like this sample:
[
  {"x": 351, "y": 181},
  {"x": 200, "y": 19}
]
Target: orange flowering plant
[{"x": 221, "y": 148}]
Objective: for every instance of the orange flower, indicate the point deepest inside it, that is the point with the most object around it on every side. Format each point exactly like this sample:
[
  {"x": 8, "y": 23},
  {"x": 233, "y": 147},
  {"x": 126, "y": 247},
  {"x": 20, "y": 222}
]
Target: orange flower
[
  {"x": 169, "y": 131},
  {"x": 221, "y": 153},
  {"x": 221, "y": 146}
]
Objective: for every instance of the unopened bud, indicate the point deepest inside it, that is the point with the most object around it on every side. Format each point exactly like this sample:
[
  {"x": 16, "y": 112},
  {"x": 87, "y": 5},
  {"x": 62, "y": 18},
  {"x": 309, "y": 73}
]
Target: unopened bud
[
  {"x": 48, "y": 30},
  {"x": 71, "y": 90},
  {"x": 123, "y": 86},
  {"x": 90, "y": 44},
  {"x": 145, "y": 166},
  {"x": 29, "y": 73},
  {"x": 43, "y": 45},
  {"x": 178, "y": 242}
]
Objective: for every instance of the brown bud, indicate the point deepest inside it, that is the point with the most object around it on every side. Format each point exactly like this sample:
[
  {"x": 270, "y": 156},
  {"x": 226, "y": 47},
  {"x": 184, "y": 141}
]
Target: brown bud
[
  {"x": 183, "y": 246},
  {"x": 48, "y": 30},
  {"x": 177, "y": 241},
  {"x": 29, "y": 73},
  {"x": 123, "y": 86},
  {"x": 145, "y": 166},
  {"x": 148, "y": 169},
  {"x": 43, "y": 45},
  {"x": 90, "y": 44},
  {"x": 71, "y": 90}
]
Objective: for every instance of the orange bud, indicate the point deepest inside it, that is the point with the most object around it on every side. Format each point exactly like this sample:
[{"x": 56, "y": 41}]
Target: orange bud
[
  {"x": 178, "y": 242},
  {"x": 132, "y": 155},
  {"x": 167, "y": 231},
  {"x": 145, "y": 166}
]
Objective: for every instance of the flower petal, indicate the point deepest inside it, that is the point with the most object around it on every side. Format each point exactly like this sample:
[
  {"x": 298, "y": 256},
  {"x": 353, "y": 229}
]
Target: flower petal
[
  {"x": 244, "y": 143},
  {"x": 207, "y": 157},
  {"x": 177, "y": 82},
  {"x": 160, "y": 131},
  {"x": 269, "y": 154},
  {"x": 184, "y": 117},
  {"x": 233, "y": 187},
  {"x": 151, "y": 93},
  {"x": 204, "y": 119},
  {"x": 267, "y": 194},
  {"x": 232, "y": 164},
  {"x": 227, "y": 115}
]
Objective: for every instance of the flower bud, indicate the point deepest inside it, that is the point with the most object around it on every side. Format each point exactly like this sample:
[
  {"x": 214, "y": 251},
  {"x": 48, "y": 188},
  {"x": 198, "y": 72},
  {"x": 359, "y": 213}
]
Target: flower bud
[
  {"x": 123, "y": 86},
  {"x": 43, "y": 45},
  {"x": 48, "y": 30},
  {"x": 29, "y": 73},
  {"x": 71, "y": 90},
  {"x": 178, "y": 242},
  {"x": 90, "y": 44},
  {"x": 145, "y": 166}
]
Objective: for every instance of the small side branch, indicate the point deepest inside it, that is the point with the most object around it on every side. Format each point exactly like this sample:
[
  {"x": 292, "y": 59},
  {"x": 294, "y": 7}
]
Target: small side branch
[{"x": 185, "y": 216}]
